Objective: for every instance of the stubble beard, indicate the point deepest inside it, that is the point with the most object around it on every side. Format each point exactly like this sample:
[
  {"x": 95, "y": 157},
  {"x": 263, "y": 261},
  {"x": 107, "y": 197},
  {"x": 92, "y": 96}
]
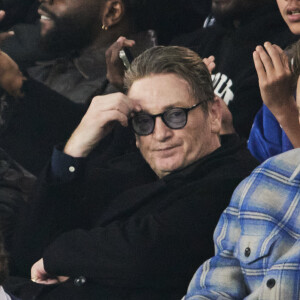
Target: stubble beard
[{"x": 67, "y": 36}]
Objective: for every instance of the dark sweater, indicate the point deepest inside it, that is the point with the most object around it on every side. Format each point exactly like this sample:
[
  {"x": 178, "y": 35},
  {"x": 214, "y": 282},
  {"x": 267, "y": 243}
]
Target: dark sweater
[{"x": 129, "y": 234}]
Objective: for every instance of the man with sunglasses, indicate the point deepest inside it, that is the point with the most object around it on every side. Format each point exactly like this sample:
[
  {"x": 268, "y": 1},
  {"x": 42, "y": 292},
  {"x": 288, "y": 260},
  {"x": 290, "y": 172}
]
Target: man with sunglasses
[{"x": 135, "y": 226}]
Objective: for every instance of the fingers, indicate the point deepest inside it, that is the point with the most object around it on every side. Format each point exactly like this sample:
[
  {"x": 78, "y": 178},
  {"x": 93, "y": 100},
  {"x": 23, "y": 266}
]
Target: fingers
[
  {"x": 104, "y": 112},
  {"x": 113, "y": 102},
  {"x": 112, "y": 53},
  {"x": 124, "y": 42},
  {"x": 114, "y": 65},
  {"x": 113, "y": 116},
  {"x": 276, "y": 56},
  {"x": 45, "y": 280},
  {"x": 272, "y": 59},
  {"x": 5, "y": 35},
  {"x": 265, "y": 59},
  {"x": 2, "y": 15},
  {"x": 107, "y": 109},
  {"x": 260, "y": 70},
  {"x": 275, "y": 80},
  {"x": 284, "y": 58},
  {"x": 102, "y": 106},
  {"x": 210, "y": 63},
  {"x": 278, "y": 49},
  {"x": 39, "y": 275},
  {"x": 62, "y": 278}
]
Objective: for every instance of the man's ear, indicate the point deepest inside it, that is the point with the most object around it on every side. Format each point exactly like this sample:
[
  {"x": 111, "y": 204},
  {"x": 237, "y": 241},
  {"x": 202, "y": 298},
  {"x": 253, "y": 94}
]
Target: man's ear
[
  {"x": 113, "y": 12},
  {"x": 215, "y": 112}
]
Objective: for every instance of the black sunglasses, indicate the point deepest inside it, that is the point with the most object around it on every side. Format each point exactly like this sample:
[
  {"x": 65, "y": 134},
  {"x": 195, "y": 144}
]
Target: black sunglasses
[{"x": 175, "y": 118}]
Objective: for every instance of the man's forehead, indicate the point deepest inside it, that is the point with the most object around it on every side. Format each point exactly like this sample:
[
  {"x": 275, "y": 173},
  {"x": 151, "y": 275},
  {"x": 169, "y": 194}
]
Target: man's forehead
[{"x": 159, "y": 92}]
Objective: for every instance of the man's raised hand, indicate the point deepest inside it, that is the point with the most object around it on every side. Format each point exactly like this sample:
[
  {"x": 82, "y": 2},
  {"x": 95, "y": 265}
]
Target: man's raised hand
[{"x": 104, "y": 112}]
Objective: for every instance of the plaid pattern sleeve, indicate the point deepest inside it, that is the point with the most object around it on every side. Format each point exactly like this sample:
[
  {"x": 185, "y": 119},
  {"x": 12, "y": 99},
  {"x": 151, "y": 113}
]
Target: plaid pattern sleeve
[{"x": 257, "y": 238}]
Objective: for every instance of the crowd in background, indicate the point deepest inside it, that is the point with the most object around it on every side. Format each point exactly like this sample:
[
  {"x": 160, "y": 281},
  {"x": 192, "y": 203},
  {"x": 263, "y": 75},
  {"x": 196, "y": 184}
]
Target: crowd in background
[{"x": 87, "y": 211}]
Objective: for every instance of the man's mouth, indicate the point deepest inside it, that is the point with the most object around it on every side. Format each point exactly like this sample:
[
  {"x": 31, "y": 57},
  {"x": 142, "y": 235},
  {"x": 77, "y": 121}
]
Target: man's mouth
[
  {"x": 165, "y": 148},
  {"x": 294, "y": 12},
  {"x": 47, "y": 21},
  {"x": 43, "y": 17}
]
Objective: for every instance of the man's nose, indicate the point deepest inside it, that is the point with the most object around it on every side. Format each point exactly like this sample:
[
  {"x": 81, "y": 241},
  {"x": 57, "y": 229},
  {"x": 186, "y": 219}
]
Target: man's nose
[{"x": 161, "y": 131}]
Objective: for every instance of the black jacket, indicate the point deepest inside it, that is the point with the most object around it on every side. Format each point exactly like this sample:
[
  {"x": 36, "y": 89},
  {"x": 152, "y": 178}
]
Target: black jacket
[
  {"x": 235, "y": 78},
  {"x": 44, "y": 118},
  {"x": 35, "y": 123},
  {"x": 130, "y": 235}
]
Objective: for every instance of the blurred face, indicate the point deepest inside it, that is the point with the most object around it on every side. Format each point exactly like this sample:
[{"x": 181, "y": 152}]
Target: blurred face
[
  {"x": 68, "y": 24},
  {"x": 231, "y": 9},
  {"x": 290, "y": 11},
  {"x": 165, "y": 149}
]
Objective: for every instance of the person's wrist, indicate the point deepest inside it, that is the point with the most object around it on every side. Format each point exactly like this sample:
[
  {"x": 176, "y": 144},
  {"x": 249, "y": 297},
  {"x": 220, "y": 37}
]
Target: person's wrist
[
  {"x": 285, "y": 111},
  {"x": 117, "y": 82},
  {"x": 76, "y": 149}
]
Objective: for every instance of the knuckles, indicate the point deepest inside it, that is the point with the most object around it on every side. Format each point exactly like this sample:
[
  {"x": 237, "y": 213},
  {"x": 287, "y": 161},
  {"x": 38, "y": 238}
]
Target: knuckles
[{"x": 108, "y": 102}]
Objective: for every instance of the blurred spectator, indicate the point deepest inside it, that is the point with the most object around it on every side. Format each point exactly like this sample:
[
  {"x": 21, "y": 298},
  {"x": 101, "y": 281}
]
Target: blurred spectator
[
  {"x": 167, "y": 20},
  {"x": 276, "y": 128},
  {"x": 44, "y": 118},
  {"x": 21, "y": 17},
  {"x": 239, "y": 27},
  {"x": 171, "y": 19},
  {"x": 78, "y": 33},
  {"x": 18, "y": 11}
]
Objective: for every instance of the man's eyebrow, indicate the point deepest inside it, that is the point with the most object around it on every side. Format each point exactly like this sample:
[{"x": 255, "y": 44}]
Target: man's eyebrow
[
  {"x": 172, "y": 106},
  {"x": 163, "y": 109}
]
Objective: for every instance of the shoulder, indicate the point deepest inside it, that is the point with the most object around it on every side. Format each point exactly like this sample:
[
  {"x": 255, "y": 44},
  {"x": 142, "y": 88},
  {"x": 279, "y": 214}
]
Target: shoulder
[
  {"x": 286, "y": 165},
  {"x": 271, "y": 185}
]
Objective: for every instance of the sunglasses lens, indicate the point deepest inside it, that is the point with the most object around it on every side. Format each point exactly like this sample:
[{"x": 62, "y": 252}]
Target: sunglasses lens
[
  {"x": 143, "y": 124},
  {"x": 175, "y": 118}
]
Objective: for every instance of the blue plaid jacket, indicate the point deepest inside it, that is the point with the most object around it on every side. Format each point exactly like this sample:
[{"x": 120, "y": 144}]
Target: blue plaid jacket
[{"x": 257, "y": 238}]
